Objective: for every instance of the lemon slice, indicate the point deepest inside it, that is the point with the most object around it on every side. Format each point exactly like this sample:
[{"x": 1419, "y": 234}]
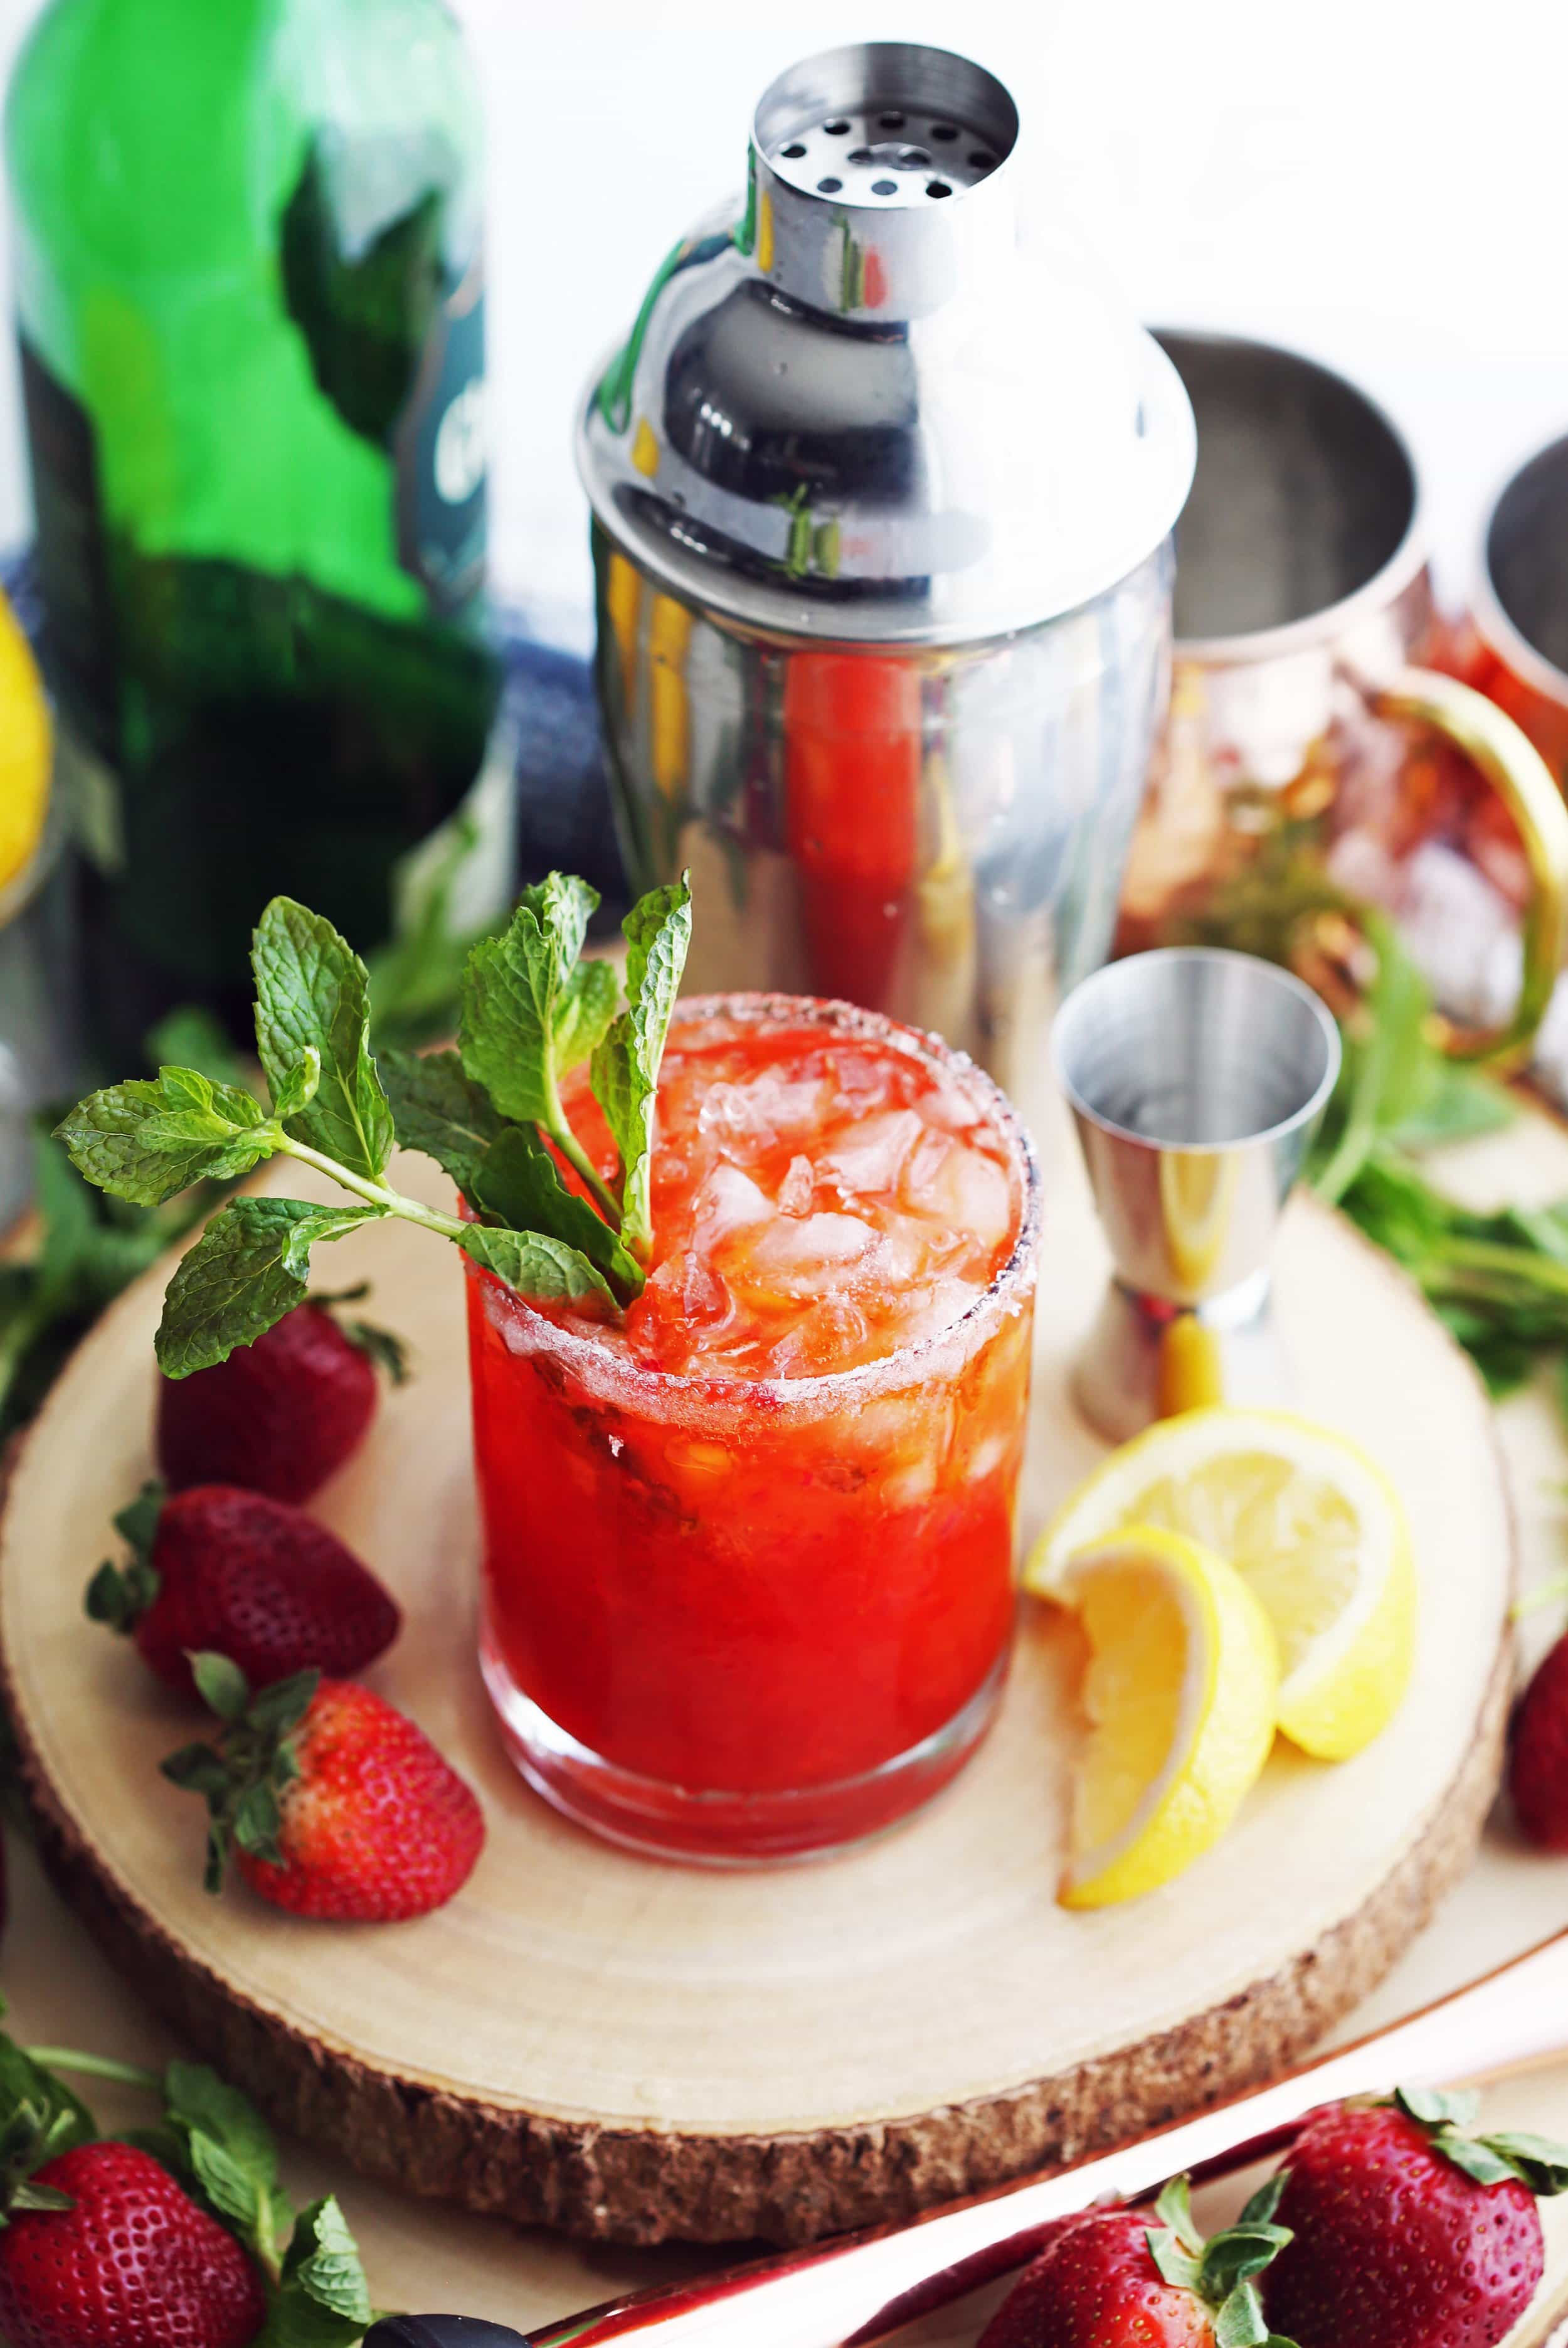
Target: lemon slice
[
  {"x": 24, "y": 753},
  {"x": 1180, "y": 1693},
  {"x": 1316, "y": 1530}
]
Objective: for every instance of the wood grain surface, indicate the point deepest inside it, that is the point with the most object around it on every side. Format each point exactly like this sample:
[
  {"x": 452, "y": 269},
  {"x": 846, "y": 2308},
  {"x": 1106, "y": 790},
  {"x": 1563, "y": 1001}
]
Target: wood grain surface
[{"x": 638, "y": 2052}]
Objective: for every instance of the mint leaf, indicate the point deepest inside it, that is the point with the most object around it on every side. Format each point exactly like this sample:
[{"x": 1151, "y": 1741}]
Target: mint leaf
[
  {"x": 515, "y": 989},
  {"x": 545, "y": 1269},
  {"x": 313, "y": 993},
  {"x": 322, "y": 2300},
  {"x": 249, "y": 1268},
  {"x": 300, "y": 1085},
  {"x": 229, "y": 2151},
  {"x": 584, "y": 1014},
  {"x": 440, "y": 1110},
  {"x": 153, "y": 1138},
  {"x": 625, "y": 1069},
  {"x": 519, "y": 1180}
]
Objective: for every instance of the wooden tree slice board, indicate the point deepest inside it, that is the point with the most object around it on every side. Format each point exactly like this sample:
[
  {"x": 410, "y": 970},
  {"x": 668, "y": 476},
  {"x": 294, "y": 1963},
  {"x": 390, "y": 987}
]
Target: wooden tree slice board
[{"x": 638, "y": 2052}]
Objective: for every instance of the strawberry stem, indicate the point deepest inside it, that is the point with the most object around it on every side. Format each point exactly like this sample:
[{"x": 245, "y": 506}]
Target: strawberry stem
[{"x": 95, "y": 2067}]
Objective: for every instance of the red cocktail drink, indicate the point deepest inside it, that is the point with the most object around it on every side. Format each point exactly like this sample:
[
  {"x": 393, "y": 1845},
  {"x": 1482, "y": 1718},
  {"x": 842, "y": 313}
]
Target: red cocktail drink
[{"x": 748, "y": 1554}]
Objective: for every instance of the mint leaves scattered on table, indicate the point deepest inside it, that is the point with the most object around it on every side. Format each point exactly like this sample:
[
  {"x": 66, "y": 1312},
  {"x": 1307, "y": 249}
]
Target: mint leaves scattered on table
[
  {"x": 490, "y": 1113},
  {"x": 1499, "y": 1281},
  {"x": 219, "y": 2151}
]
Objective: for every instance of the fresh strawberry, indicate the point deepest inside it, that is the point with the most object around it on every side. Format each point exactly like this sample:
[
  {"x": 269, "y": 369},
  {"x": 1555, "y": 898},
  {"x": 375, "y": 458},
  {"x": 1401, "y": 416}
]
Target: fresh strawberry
[
  {"x": 219, "y": 1569},
  {"x": 1407, "y": 2231},
  {"x": 335, "y": 1805},
  {"x": 1117, "y": 2279},
  {"x": 282, "y": 1414},
  {"x": 1538, "y": 1763},
  {"x": 123, "y": 2259}
]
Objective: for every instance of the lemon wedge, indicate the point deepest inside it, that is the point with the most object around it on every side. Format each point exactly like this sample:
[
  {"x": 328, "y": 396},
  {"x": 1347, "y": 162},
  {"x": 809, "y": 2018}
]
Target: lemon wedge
[
  {"x": 24, "y": 752},
  {"x": 1180, "y": 1693},
  {"x": 1314, "y": 1528}
]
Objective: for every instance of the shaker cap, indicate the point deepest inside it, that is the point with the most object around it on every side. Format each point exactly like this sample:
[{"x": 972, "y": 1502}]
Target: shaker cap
[{"x": 864, "y": 405}]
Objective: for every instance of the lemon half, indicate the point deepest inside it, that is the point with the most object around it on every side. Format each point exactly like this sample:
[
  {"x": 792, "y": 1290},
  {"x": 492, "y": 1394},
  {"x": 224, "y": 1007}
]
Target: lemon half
[
  {"x": 1315, "y": 1529},
  {"x": 1180, "y": 1691}
]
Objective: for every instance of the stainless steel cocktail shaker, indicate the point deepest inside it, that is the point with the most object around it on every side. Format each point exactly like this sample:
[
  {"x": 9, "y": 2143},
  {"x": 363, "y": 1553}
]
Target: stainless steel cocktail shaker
[{"x": 882, "y": 497}]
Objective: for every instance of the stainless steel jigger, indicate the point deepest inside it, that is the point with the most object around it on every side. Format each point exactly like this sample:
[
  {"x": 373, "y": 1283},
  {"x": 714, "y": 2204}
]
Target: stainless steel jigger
[{"x": 1196, "y": 1079}]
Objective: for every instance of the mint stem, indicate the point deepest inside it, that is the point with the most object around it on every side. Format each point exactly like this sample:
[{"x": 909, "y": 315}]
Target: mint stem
[
  {"x": 572, "y": 1151},
  {"x": 1509, "y": 1263},
  {"x": 95, "y": 2067},
  {"x": 377, "y": 1194},
  {"x": 557, "y": 1126}
]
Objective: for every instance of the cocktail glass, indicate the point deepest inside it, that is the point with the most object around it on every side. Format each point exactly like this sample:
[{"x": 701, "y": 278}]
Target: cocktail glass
[{"x": 733, "y": 1618}]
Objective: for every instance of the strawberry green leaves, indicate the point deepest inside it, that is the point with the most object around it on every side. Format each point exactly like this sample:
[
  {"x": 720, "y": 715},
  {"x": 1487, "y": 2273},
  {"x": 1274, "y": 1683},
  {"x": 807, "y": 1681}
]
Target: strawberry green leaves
[
  {"x": 625, "y": 1066},
  {"x": 1493, "y": 2159},
  {"x": 313, "y": 1002},
  {"x": 39, "y": 2118},
  {"x": 1222, "y": 2272},
  {"x": 242, "y": 1776}
]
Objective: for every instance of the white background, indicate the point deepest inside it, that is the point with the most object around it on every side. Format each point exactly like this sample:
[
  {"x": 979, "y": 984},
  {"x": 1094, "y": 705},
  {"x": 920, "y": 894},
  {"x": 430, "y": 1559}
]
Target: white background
[{"x": 1383, "y": 183}]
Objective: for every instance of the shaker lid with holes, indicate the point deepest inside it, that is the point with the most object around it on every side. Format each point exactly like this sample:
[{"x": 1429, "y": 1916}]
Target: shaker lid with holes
[{"x": 865, "y": 405}]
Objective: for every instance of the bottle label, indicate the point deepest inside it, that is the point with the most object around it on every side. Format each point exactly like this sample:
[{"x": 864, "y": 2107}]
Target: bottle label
[
  {"x": 441, "y": 455},
  {"x": 72, "y": 550}
]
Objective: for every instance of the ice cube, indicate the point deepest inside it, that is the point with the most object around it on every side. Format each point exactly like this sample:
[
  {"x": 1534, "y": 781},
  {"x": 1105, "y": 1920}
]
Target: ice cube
[
  {"x": 910, "y": 1251},
  {"x": 729, "y": 1200},
  {"x": 792, "y": 1259},
  {"x": 948, "y": 1108},
  {"x": 966, "y": 1192},
  {"x": 832, "y": 1335},
  {"x": 942, "y": 1304},
  {"x": 869, "y": 1156},
  {"x": 795, "y": 1191}
]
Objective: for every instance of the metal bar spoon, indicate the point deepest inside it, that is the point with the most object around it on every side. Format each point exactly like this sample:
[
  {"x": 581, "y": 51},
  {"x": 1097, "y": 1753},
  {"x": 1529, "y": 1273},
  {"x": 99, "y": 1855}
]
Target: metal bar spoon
[{"x": 856, "y": 2289}]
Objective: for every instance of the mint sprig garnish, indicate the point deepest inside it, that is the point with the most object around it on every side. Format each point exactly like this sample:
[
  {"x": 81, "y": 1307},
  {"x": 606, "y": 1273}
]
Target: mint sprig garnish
[
  {"x": 532, "y": 1012},
  {"x": 214, "y": 2141},
  {"x": 625, "y": 1065},
  {"x": 490, "y": 1113}
]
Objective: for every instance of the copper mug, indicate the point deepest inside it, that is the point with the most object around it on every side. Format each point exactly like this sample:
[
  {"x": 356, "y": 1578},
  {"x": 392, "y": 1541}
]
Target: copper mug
[
  {"x": 1303, "y": 617},
  {"x": 1514, "y": 645}
]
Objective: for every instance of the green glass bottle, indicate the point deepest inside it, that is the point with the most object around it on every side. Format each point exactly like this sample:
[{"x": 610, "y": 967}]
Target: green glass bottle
[{"x": 250, "y": 315}]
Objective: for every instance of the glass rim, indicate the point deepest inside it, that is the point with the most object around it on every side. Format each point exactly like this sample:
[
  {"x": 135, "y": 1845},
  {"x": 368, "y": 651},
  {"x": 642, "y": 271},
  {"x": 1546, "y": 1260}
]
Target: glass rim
[{"x": 1006, "y": 1291}]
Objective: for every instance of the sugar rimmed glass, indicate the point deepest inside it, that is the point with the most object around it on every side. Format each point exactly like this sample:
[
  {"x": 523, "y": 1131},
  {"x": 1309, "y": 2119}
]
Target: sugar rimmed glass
[{"x": 737, "y": 1619}]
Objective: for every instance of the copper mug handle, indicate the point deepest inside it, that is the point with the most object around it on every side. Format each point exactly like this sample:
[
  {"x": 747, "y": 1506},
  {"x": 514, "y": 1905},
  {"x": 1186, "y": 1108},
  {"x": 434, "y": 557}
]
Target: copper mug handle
[{"x": 1514, "y": 767}]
